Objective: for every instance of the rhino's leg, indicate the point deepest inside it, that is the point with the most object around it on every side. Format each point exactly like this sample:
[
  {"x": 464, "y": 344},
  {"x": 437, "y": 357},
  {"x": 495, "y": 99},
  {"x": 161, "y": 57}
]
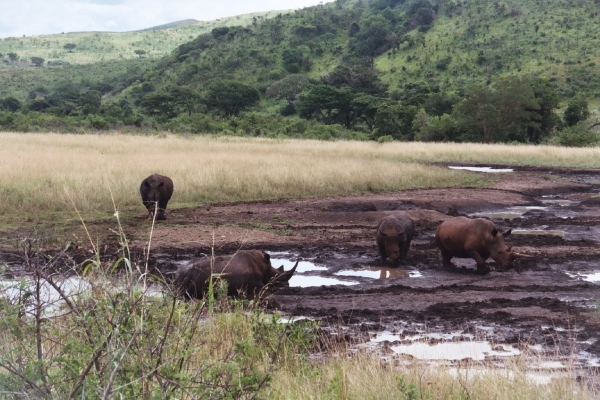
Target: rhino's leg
[
  {"x": 404, "y": 246},
  {"x": 482, "y": 267},
  {"x": 447, "y": 257},
  {"x": 382, "y": 252}
]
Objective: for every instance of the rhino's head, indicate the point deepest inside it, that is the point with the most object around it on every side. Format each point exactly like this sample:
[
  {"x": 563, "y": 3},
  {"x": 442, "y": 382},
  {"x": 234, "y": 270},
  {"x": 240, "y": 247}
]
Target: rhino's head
[
  {"x": 277, "y": 275},
  {"x": 155, "y": 189},
  {"x": 501, "y": 253},
  {"x": 391, "y": 236}
]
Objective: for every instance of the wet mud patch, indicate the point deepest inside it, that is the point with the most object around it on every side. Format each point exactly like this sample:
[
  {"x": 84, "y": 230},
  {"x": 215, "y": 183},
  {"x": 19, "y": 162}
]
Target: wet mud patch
[{"x": 548, "y": 303}]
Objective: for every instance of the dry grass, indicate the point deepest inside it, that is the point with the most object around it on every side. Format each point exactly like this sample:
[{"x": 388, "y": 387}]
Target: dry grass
[
  {"x": 43, "y": 171},
  {"x": 366, "y": 376}
]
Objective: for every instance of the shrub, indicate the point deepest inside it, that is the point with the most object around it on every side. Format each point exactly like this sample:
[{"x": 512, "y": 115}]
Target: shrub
[{"x": 578, "y": 136}]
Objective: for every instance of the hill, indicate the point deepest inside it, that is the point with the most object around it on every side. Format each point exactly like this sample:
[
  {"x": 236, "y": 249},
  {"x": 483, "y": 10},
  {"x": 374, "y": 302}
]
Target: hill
[
  {"x": 92, "y": 47},
  {"x": 418, "y": 69}
]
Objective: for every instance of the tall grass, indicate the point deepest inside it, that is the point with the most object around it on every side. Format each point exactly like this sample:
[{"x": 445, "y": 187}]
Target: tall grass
[{"x": 45, "y": 171}]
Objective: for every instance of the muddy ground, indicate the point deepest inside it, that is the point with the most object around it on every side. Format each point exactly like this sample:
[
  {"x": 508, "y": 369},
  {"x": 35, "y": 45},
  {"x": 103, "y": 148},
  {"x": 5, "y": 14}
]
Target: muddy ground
[{"x": 545, "y": 300}]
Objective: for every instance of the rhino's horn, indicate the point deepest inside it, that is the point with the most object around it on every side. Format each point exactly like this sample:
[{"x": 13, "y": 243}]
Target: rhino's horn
[
  {"x": 287, "y": 275},
  {"x": 514, "y": 255}
]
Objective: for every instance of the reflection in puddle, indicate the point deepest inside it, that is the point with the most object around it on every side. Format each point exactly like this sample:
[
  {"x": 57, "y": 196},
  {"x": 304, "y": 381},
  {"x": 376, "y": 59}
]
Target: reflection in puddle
[
  {"x": 312, "y": 281},
  {"x": 588, "y": 277},
  {"x": 484, "y": 169},
  {"x": 393, "y": 337},
  {"x": 558, "y": 202},
  {"x": 303, "y": 266},
  {"x": 476, "y": 350},
  {"x": 538, "y": 232},
  {"x": 509, "y": 213},
  {"x": 381, "y": 273}
]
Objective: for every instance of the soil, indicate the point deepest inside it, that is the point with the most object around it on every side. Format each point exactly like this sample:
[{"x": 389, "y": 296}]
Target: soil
[{"x": 542, "y": 301}]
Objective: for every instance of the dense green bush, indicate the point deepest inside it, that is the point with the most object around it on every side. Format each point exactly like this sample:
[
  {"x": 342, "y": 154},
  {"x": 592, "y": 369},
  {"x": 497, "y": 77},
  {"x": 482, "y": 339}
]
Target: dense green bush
[{"x": 578, "y": 136}]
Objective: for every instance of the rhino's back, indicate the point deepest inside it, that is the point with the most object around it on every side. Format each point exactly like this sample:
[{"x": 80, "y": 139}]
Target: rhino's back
[{"x": 461, "y": 233}]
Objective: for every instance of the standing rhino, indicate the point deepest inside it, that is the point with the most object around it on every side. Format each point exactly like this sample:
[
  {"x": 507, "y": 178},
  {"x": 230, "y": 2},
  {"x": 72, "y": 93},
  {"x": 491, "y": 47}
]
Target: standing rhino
[
  {"x": 394, "y": 234},
  {"x": 156, "y": 189},
  {"x": 476, "y": 238},
  {"x": 248, "y": 270}
]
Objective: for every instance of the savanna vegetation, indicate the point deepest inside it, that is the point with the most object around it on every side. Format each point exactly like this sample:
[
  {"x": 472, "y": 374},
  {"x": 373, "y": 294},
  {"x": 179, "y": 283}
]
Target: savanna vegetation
[
  {"x": 445, "y": 70},
  {"x": 54, "y": 172}
]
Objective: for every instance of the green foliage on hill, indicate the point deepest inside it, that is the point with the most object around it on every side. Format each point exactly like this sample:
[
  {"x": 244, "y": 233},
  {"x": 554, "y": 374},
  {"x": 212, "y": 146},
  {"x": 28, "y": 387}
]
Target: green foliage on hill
[{"x": 443, "y": 70}]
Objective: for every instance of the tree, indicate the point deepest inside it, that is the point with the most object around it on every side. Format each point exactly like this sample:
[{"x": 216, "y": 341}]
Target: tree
[
  {"x": 292, "y": 60},
  {"x": 10, "y": 104},
  {"x": 358, "y": 79},
  {"x": 288, "y": 88},
  {"x": 37, "y": 61},
  {"x": 140, "y": 53},
  {"x": 69, "y": 47},
  {"x": 576, "y": 111},
  {"x": 13, "y": 56},
  {"x": 366, "y": 108},
  {"x": 327, "y": 104},
  {"x": 90, "y": 101},
  {"x": 185, "y": 98},
  {"x": 159, "y": 104},
  {"x": 546, "y": 96},
  {"x": 499, "y": 114},
  {"x": 230, "y": 97}
]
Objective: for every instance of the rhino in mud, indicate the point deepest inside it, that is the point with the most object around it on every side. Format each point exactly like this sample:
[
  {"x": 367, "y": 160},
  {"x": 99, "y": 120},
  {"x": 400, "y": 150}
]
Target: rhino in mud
[
  {"x": 394, "y": 234},
  {"x": 246, "y": 270},
  {"x": 475, "y": 238},
  {"x": 156, "y": 191}
]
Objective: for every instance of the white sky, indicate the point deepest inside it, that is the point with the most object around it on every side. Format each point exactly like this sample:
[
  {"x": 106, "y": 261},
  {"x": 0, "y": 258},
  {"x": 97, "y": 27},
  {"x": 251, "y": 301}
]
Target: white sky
[{"x": 36, "y": 17}]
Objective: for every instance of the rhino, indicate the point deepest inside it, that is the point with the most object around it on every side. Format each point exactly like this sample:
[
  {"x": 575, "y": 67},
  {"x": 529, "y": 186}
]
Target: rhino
[
  {"x": 246, "y": 270},
  {"x": 475, "y": 238},
  {"x": 156, "y": 191},
  {"x": 394, "y": 234}
]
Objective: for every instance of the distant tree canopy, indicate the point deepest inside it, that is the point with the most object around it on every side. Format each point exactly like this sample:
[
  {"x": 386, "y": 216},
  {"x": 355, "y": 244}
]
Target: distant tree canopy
[
  {"x": 230, "y": 97},
  {"x": 576, "y": 111},
  {"x": 288, "y": 88},
  {"x": 501, "y": 113},
  {"x": 37, "y": 61},
  {"x": 70, "y": 47},
  {"x": 140, "y": 53},
  {"x": 13, "y": 56}
]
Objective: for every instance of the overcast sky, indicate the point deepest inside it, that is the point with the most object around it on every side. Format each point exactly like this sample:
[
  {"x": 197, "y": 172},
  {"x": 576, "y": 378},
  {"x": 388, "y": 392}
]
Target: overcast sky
[{"x": 36, "y": 17}]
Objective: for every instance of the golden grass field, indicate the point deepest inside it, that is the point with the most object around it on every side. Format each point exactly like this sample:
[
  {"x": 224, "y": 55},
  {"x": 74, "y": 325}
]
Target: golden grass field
[{"x": 51, "y": 172}]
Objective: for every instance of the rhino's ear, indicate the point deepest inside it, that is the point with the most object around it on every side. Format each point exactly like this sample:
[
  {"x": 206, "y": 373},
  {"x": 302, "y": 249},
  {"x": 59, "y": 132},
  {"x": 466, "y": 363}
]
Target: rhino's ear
[
  {"x": 507, "y": 233},
  {"x": 161, "y": 184},
  {"x": 388, "y": 229},
  {"x": 146, "y": 183},
  {"x": 280, "y": 269},
  {"x": 267, "y": 256},
  {"x": 494, "y": 232},
  {"x": 509, "y": 249}
]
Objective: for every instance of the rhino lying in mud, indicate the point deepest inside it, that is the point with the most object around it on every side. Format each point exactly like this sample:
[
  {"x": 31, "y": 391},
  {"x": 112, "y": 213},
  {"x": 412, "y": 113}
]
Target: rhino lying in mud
[
  {"x": 394, "y": 234},
  {"x": 476, "y": 238},
  {"x": 247, "y": 270},
  {"x": 156, "y": 189}
]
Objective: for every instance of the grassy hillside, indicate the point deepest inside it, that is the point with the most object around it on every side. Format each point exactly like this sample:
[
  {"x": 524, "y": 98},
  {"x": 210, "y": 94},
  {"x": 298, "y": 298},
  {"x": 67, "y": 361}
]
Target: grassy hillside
[
  {"x": 436, "y": 70},
  {"x": 92, "y": 47}
]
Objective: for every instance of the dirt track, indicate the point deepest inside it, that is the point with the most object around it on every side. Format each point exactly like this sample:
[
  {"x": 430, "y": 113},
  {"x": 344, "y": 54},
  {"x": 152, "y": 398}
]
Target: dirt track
[{"x": 538, "y": 303}]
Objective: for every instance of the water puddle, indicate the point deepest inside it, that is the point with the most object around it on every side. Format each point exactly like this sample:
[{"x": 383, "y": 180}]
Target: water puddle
[
  {"x": 485, "y": 169},
  {"x": 25, "y": 290},
  {"x": 388, "y": 336},
  {"x": 475, "y": 350},
  {"x": 313, "y": 281},
  {"x": 558, "y": 202},
  {"x": 538, "y": 232},
  {"x": 381, "y": 273},
  {"x": 509, "y": 213},
  {"x": 588, "y": 277},
  {"x": 303, "y": 266}
]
